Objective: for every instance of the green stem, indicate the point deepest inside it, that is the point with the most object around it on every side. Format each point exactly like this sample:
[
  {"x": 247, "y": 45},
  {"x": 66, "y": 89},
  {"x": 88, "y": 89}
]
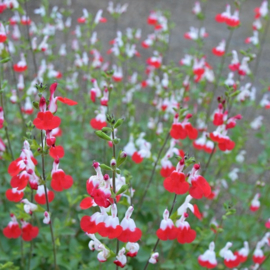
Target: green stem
[
  {"x": 156, "y": 244},
  {"x": 216, "y": 83},
  {"x": 114, "y": 189},
  {"x": 152, "y": 174},
  {"x": 47, "y": 200}
]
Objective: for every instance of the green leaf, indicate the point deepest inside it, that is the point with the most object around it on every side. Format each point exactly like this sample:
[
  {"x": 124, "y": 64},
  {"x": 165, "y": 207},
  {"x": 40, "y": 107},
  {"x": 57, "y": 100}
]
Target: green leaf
[{"x": 103, "y": 136}]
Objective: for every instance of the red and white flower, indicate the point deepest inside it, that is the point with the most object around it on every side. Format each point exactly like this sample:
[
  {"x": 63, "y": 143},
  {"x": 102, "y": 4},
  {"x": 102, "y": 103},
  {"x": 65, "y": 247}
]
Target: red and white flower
[
  {"x": 199, "y": 186},
  {"x": 167, "y": 230},
  {"x": 130, "y": 232},
  {"x": 110, "y": 227},
  {"x": 40, "y": 196},
  {"x": 132, "y": 249},
  {"x": 242, "y": 254},
  {"x": 255, "y": 203},
  {"x": 121, "y": 259},
  {"x": 29, "y": 232},
  {"x": 21, "y": 66},
  {"x": 220, "y": 49},
  {"x": 13, "y": 229},
  {"x": 208, "y": 258},
  {"x": 230, "y": 260},
  {"x": 185, "y": 234}
]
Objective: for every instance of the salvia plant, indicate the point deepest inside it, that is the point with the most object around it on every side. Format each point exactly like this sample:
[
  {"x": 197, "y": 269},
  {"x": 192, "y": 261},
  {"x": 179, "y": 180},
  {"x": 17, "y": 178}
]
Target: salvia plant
[{"x": 113, "y": 156}]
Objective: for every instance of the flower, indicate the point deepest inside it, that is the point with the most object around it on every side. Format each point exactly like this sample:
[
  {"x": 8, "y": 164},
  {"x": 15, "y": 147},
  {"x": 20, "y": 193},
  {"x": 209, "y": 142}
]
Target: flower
[
  {"x": 199, "y": 186},
  {"x": 29, "y": 232},
  {"x": 230, "y": 260},
  {"x": 208, "y": 258},
  {"x": 185, "y": 233},
  {"x": 40, "y": 196},
  {"x": 13, "y": 229},
  {"x": 130, "y": 233},
  {"x": 176, "y": 182},
  {"x": 121, "y": 259},
  {"x": 110, "y": 226},
  {"x": 167, "y": 230}
]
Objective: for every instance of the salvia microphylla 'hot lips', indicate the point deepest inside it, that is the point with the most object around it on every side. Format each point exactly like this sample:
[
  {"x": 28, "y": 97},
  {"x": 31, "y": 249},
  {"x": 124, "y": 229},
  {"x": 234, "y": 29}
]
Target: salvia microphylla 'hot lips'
[
  {"x": 185, "y": 233},
  {"x": 203, "y": 143},
  {"x": 176, "y": 182},
  {"x": 99, "y": 121},
  {"x": 110, "y": 227},
  {"x": 21, "y": 66},
  {"x": 40, "y": 196},
  {"x": 184, "y": 129},
  {"x": 29, "y": 232},
  {"x": 166, "y": 165},
  {"x": 13, "y": 229},
  {"x": 255, "y": 203},
  {"x": 208, "y": 258},
  {"x": 230, "y": 260},
  {"x": 242, "y": 254},
  {"x": 130, "y": 232},
  {"x": 199, "y": 186},
  {"x": 60, "y": 180},
  {"x": 121, "y": 259},
  {"x": 167, "y": 230},
  {"x": 187, "y": 205},
  {"x": 258, "y": 255}
]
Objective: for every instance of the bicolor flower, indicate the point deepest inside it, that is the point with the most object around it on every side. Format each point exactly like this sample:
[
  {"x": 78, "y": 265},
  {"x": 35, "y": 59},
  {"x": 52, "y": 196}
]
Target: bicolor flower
[
  {"x": 185, "y": 234},
  {"x": 29, "y": 207},
  {"x": 258, "y": 255},
  {"x": 13, "y": 229},
  {"x": 47, "y": 218},
  {"x": 235, "y": 64},
  {"x": 60, "y": 180},
  {"x": 110, "y": 227},
  {"x": 208, "y": 258},
  {"x": 29, "y": 232},
  {"x": 21, "y": 66},
  {"x": 89, "y": 223},
  {"x": 121, "y": 259},
  {"x": 154, "y": 258},
  {"x": 130, "y": 232},
  {"x": 230, "y": 260},
  {"x": 132, "y": 249},
  {"x": 255, "y": 203},
  {"x": 187, "y": 205},
  {"x": 53, "y": 100},
  {"x": 167, "y": 230},
  {"x": 40, "y": 196},
  {"x": 199, "y": 186},
  {"x": 99, "y": 121},
  {"x": 220, "y": 49},
  {"x": 183, "y": 129},
  {"x": 242, "y": 254},
  {"x": 176, "y": 182}
]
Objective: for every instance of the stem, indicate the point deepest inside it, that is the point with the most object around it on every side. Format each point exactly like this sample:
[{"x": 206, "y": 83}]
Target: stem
[
  {"x": 22, "y": 260},
  {"x": 114, "y": 190},
  {"x": 153, "y": 172},
  {"x": 6, "y": 125},
  {"x": 156, "y": 244},
  {"x": 47, "y": 200},
  {"x": 216, "y": 83},
  {"x": 31, "y": 245},
  {"x": 29, "y": 40},
  {"x": 209, "y": 160}
]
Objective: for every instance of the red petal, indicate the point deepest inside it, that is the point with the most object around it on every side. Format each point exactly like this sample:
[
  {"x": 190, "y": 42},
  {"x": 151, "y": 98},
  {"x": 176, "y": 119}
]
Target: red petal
[
  {"x": 137, "y": 158},
  {"x": 129, "y": 236},
  {"x": 67, "y": 101},
  {"x": 86, "y": 203},
  {"x": 57, "y": 152}
]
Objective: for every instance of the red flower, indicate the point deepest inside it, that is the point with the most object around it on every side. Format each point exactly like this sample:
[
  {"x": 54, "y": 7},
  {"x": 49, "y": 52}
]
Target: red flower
[
  {"x": 29, "y": 232},
  {"x": 199, "y": 186},
  {"x": 46, "y": 121},
  {"x": 87, "y": 203},
  {"x": 185, "y": 233},
  {"x": 40, "y": 197},
  {"x": 167, "y": 230},
  {"x": 61, "y": 181},
  {"x": 57, "y": 152},
  {"x": 12, "y": 230},
  {"x": 14, "y": 195},
  {"x": 176, "y": 182}
]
